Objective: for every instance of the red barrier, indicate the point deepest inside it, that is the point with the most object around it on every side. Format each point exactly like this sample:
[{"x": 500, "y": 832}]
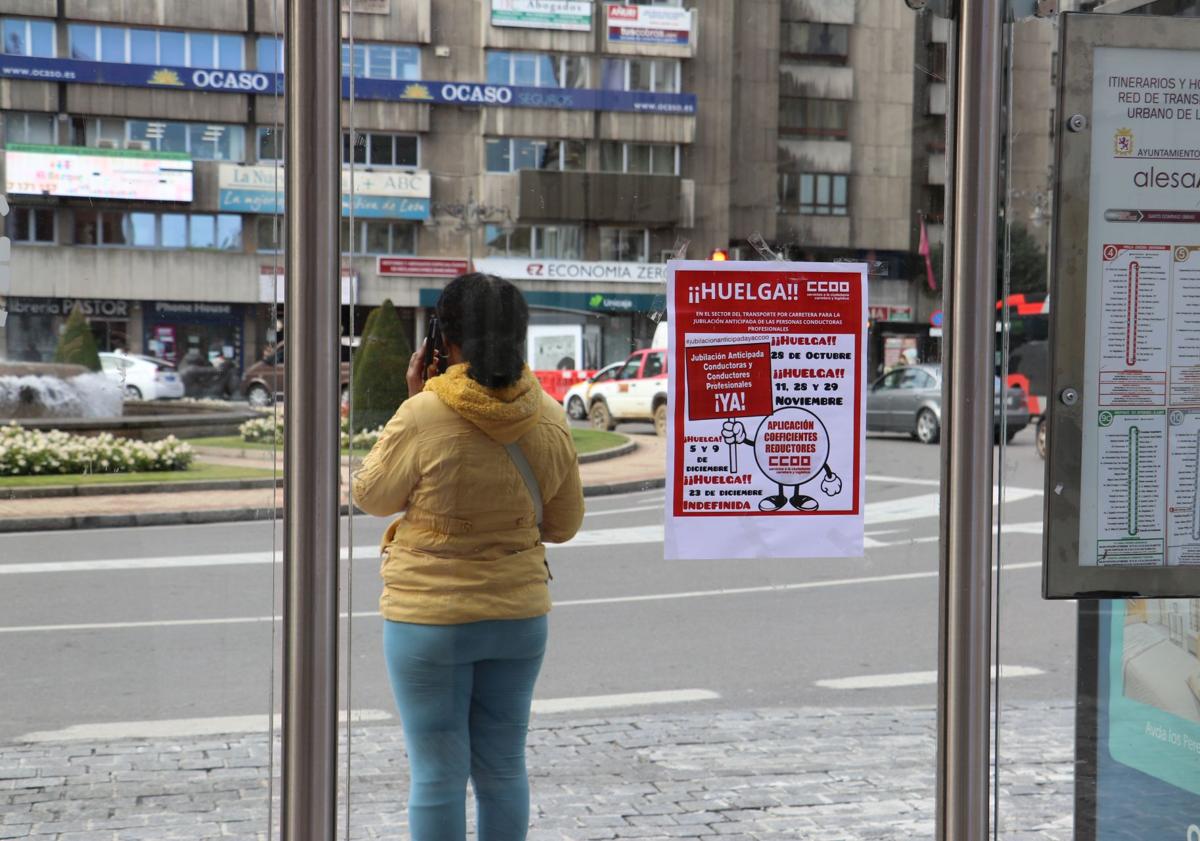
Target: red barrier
[{"x": 557, "y": 383}]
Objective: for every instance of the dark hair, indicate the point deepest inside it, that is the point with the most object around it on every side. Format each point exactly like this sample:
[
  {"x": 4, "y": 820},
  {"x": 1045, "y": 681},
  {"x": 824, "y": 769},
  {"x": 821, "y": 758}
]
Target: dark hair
[{"x": 487, "y": 317}]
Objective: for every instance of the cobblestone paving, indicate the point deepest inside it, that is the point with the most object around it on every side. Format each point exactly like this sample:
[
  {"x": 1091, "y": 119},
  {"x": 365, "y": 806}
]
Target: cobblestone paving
[{"x": 761, "y": 775}]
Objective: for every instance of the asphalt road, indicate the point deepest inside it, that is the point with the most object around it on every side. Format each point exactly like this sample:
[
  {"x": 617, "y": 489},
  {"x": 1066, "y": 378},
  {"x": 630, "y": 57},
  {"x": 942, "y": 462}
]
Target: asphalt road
[{"x": 174, "y": 623}]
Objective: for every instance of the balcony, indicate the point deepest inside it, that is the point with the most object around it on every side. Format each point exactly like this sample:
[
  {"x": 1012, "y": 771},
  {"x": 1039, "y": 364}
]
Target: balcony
[{"x": 651, "y": 200}]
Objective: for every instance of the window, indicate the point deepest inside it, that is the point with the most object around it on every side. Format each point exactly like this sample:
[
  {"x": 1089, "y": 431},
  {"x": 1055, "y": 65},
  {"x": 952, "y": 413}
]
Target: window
[
  {"x": 377, "y": 149},
  {"x": 268, "y": 233},
  {"x": 270, "y": 144},
  {"x": 124, "y": 45},
  {"x": 657, "y": 75},
  {"x": 821, "y": 194},
  {"x": 651, "y": 158},
  {"x": 269, "y": 54},
  {"x": 34, "y": 38},
  {"x": 537, "y": 70},
  {"x": 202, "y": 141},
  {"x": 825, "y": 42},
  {"x": 654, "y": 365},
  {"x": 821, "y": 117},
  {"x": 510, "y": 154},
  {"x": 625, "y": 245},
  {"x": 373, "y": 236},
  {"x": 383, "y": 61},
  {"x": 630, "y": 370},
  {"x": 30, "y": 225},
  {"x": 30, "y": 128},
  {"x": 548, "y": 242},
  {"x": 147, "y": 229}
]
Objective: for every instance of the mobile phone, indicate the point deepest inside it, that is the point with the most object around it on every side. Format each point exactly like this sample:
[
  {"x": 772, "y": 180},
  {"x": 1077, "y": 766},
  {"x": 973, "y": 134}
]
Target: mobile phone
[{"x": 433, "y": 342}]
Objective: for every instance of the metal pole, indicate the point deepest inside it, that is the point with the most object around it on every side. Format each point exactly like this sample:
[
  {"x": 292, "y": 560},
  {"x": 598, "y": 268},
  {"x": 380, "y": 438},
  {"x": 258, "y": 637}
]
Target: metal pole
[
  {"x": 311, "y": 497},
  {"x": 964, "y": 620}
]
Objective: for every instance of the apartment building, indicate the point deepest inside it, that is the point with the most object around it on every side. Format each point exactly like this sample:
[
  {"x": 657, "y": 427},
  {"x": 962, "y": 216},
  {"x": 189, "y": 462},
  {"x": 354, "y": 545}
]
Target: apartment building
[{"x": 570, "y": 146}]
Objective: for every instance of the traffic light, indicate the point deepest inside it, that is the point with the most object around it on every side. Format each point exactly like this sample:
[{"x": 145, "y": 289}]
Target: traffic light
[{"x": 719, "y": 254}]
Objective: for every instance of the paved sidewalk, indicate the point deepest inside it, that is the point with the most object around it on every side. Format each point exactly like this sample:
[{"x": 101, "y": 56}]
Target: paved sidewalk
[
  {"x": 764, "y": 775},
  {"x": 644, "y": 467}
]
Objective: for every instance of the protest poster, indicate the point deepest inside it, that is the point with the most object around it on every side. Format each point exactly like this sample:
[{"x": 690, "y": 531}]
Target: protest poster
[{"x": 766, "y": 431}]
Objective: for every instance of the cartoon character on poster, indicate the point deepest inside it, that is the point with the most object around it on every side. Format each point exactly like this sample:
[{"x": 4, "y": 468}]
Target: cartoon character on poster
[{"x": 796, "y": 466}]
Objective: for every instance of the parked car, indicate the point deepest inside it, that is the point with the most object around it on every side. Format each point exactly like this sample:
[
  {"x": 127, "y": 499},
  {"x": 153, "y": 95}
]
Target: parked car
[
  {"x": 142, "y": 377},
  {"x": 637, "y": 391},
  {"x": 263, "y": 380},
  {"x": 909, "y": 399},
  {"x": 575, "y": 401}
]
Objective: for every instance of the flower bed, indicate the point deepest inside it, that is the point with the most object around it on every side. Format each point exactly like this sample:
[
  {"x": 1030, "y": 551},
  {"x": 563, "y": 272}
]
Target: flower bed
[
  {"x": 27, "y": 452},
  {"x": 267, "y": 430}
]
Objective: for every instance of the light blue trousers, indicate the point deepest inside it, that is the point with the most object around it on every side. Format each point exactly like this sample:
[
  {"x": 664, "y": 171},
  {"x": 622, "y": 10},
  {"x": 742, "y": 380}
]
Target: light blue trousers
[{"x": 464, "y": 693}]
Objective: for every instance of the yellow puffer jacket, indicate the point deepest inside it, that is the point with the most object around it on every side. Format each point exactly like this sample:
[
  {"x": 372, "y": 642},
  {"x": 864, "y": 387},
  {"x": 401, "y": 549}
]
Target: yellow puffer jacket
[{"x": 466, "y": 548}]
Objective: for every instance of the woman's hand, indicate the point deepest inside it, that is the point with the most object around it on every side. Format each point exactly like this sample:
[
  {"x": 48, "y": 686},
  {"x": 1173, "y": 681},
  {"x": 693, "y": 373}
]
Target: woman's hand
[{"x": 415, "y": 376}]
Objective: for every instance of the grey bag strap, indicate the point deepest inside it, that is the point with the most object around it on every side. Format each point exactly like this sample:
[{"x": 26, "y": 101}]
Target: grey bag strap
[{"x": 522, "y": 463}]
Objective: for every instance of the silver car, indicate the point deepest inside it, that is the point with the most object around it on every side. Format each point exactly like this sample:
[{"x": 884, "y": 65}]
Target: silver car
[{"x": 909, "y": 399}]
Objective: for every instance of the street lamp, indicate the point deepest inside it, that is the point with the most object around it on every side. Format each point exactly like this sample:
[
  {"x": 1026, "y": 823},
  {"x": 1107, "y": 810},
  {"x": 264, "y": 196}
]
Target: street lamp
[{"x": 469, "y": 217}]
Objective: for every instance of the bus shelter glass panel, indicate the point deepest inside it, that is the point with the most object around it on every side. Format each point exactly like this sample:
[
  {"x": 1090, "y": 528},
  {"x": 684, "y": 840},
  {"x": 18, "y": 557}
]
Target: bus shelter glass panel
[
  {"x": 766, "y": 694},
  {"x": 139, "y": 544}
]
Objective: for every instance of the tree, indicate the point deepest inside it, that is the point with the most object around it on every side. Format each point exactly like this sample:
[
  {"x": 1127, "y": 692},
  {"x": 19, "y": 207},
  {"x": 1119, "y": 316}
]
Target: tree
[
  {"x": 77, "y": 345},
  {"x": 380, "y": 368},
  {"x": 1027, "y": 263}
]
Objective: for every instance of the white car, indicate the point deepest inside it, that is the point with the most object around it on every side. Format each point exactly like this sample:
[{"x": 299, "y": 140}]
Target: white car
[
  {"x": 142, "y": 377},
  {"x": 575, "y": 401}
]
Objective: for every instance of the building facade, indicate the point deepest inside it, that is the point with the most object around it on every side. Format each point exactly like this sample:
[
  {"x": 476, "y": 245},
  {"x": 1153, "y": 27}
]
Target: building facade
[{"x": 572, "y": 147}]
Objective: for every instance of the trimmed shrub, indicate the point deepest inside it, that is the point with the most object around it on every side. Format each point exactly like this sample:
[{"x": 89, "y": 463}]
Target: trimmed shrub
[
  {"x": 77, "y": 345},
  {"x": 380, "y": 369}
]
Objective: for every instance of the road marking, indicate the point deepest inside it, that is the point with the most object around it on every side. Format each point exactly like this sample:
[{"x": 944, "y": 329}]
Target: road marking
[
  {"x": 624, "y": 510},
  {"x": 651, "y": 597},
  {"x": 905, "y": 480},
  {"x": 177, "y": 727},
  {"x": 630, "y": 699},
  {"x": 899, "y": 679},
  {"x": 905, "y": 509}
]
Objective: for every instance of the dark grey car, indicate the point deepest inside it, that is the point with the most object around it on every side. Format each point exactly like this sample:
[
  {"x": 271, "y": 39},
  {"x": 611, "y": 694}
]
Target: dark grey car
[{"x": 909, "y": 399}]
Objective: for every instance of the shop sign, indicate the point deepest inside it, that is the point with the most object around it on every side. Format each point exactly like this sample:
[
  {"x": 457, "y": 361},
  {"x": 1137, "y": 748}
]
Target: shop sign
[
  {"x": 90, "y": 307},
  {"x": 420, "y": 267},
  {"x": 612, "y": 303},
  {"x": 272, "y": 285},
  {"x": 189, "y": 309},
  {"x": 367, "y": 7},
  {"x": 648, "y": 24},
  {"x": 885, "y": 313},
  {"x": 69, "y": 172},
  {"x": 766, "y": 437},
  {"x": 516, "y": 268},
  {"x": 570, "y": 15},
  {"x": 391, "y": 90},
  {"x": 377, "y": 195}
]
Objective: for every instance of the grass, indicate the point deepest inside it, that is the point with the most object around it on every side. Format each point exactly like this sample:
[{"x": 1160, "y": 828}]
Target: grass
[
  {"x": 586, "y": 441},
  {"x": 197, "y": 472},
  {"x": 592, "y": 440}
]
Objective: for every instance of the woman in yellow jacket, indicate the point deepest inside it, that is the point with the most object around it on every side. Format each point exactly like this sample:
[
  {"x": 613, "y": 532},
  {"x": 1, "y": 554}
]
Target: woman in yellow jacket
[{"x": 465, "y": 592}]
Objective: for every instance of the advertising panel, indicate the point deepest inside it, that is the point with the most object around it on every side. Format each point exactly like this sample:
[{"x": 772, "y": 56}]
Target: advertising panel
[
  {"x": 420, "y": 267},
  {"x": 1129, "y": 374},
  {"x": 69, "y": 172},
  {"x": 570, "y": 15},
  {"x": 390, "y": 90},
  {"x": 1142, "y": 746},
  {"x": 377, "y": 195},
  {"x": 648, "y": 24},
  {"x": 520, "y": 268},
  {"x": 766, "y": 433}
]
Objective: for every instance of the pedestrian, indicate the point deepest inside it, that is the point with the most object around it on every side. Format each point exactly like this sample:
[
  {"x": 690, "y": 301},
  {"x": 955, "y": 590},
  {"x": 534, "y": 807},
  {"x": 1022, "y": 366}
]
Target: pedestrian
[{"x": 466, "y": 591}]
